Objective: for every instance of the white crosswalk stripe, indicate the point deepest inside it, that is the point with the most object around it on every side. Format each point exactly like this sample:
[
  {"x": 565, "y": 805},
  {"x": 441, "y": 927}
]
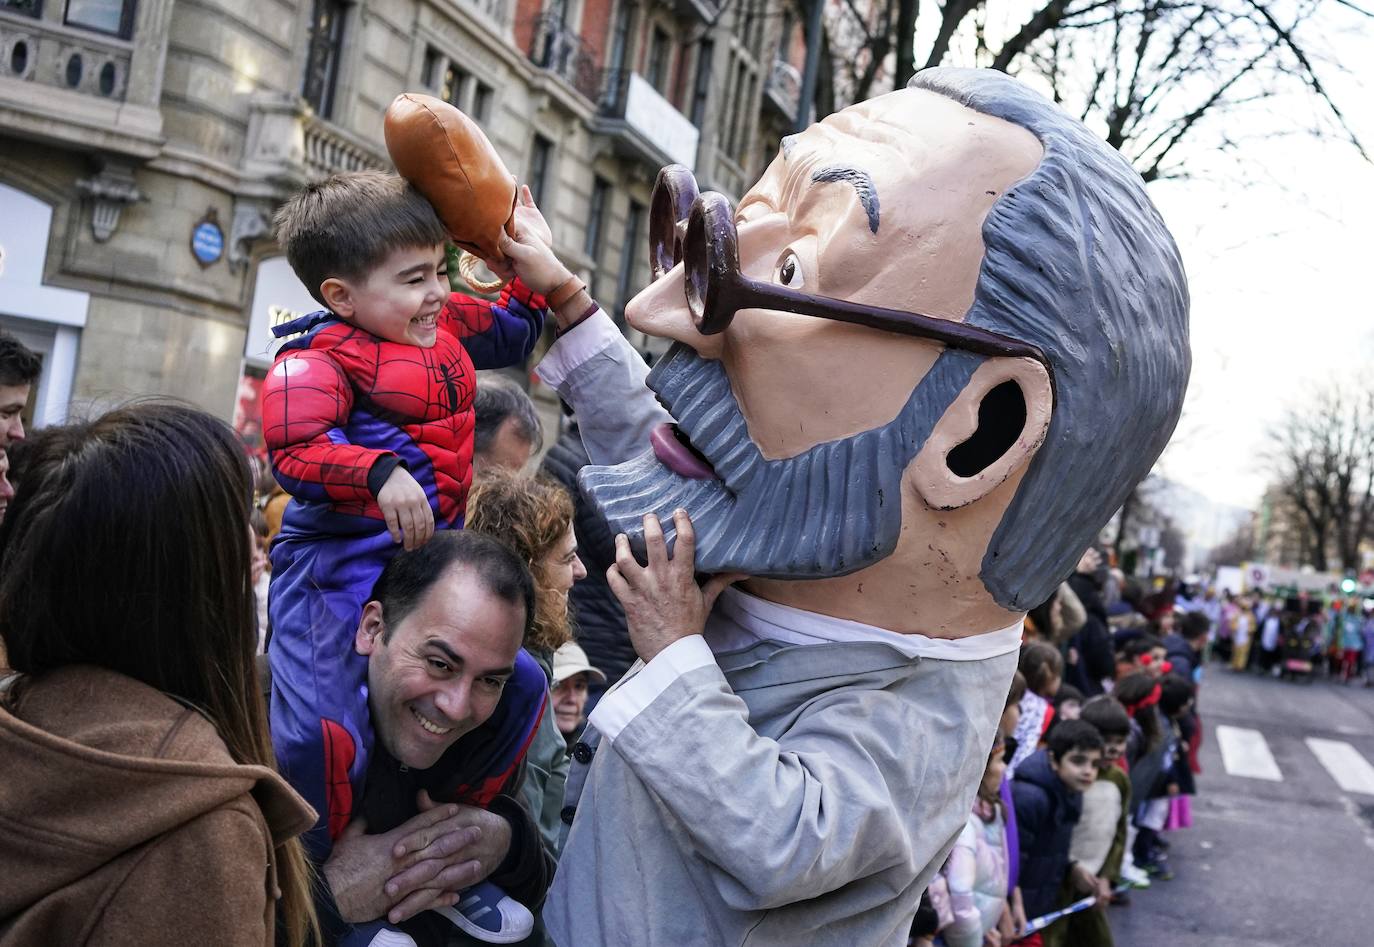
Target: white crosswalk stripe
[
  {"x": 1347, "y": 767},
  {"x": 1244, "y": 752}
]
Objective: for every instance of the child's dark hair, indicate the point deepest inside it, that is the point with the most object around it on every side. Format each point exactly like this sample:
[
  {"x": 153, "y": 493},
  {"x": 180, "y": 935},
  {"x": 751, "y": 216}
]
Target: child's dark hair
[
  {"x": 1174, "y": 693},
  {"x": 1018, "y": 689},
  {"x": 1134, "y": 691},
  {"x": 1141, "y": 645},
  {"x": 349, "y": 223},
  {"x": 926, "y": 923},
  {"x": 1040, "y": 663},
  {"x": 1108, "y": 716},
  {"x": 1069, "y": 735},
  {"x": 1067, "y": 693}
]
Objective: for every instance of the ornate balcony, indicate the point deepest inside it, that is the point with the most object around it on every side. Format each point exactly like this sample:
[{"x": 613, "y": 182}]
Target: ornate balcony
[
  {"x": 76, "y": 88},
  {"x": 783, "y": 89},
  {"x": 561, "y": 51},
  {"x": 288, "y": 144},
  {"x": 643, "y": 123}
]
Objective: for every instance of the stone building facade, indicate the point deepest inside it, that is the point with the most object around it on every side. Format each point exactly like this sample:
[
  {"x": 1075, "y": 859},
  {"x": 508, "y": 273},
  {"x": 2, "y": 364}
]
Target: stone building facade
[{"x": 145, "y": 144}]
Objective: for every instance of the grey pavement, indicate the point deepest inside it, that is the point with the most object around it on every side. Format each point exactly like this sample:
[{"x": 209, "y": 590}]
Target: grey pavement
[{"x": 1268, "y": 862}]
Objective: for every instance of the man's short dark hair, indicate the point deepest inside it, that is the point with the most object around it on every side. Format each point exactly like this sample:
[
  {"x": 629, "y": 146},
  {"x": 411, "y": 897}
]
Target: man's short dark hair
[
  {"x": 18, "y": 364},
  {"x": 1106, "y": 714},
  {"x": 1140, "y": 645},
  {"x": 408, "y": 577},
  {"x": 1069, "y": 735},
  {"x": 499, "y": 398},
  {"x": 1194, "y": 626},
  {"x": 349, "y": 223}
]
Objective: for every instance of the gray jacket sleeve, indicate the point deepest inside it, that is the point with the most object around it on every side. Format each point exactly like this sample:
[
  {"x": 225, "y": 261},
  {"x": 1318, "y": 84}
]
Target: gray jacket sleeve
[
  {"x": 597, "y": 372},
  {"x": 785, "y": 820}
]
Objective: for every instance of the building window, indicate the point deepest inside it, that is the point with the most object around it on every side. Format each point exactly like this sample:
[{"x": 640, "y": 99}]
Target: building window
[
  {"x": 33, "y": 8},
  {"x": 630, "y": 252},
  {"x": 702, "y": 89},
  {"x": 115, "y": 17},
  {"x": 451, "y": 89},
  {"x": 656, "y": 66},
  {"x": 481, "y": 102},
  {"x": 620, "y": 38},
  {"x": 429, "y": 72},
  {"x": 596, "y": 218},
  {"x": 541, "y": 151},
  {"x": 322, "y": 56}
]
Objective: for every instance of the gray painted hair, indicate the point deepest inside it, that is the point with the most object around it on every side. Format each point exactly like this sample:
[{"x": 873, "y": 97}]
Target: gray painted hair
[
  {"x": 1077, "y": 261},
  {"x": 499, "y": 398}
]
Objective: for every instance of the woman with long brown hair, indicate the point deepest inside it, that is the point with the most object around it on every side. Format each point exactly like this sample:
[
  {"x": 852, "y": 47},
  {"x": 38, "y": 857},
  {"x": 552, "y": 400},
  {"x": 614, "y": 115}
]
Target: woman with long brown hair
[
  {"x": 140, "y": 799},
  {"x": 534, "y": 516}
]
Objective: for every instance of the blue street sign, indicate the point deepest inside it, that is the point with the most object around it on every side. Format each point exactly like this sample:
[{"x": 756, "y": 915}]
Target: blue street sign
[{"x": 207, "y": 242}]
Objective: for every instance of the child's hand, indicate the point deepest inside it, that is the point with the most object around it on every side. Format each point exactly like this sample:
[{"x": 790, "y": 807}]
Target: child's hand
[
  {"x": 1173, "y": 789},
  {"x": 409, "y": 518}
]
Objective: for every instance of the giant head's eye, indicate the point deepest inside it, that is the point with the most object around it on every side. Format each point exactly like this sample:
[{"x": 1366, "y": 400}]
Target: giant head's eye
[{"x": 789, "y": 271}]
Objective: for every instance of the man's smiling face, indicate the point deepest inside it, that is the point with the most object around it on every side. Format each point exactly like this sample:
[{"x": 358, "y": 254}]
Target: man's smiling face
[
  {"x": 923, "y": 169},
  {"x": 439, "y": 672}
]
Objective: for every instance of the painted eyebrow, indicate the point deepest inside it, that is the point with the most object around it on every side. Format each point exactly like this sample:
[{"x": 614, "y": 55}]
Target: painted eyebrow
[
  {"x": 860, "y": 180},
  {"x": 454, "y": 658}
]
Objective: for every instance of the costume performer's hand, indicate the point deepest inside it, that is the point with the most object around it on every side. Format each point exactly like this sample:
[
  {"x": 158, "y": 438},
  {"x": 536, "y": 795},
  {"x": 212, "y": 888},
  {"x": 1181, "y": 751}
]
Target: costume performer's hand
[
  {"x": 409, "y": 518},
  {"x": 662, "y": 600},
  {"x": 362, "y": 868}
]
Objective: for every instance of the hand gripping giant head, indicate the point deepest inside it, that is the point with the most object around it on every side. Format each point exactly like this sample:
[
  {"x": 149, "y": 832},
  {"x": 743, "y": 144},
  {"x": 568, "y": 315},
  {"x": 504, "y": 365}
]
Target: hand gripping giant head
[{"x": 919, "y": 366}]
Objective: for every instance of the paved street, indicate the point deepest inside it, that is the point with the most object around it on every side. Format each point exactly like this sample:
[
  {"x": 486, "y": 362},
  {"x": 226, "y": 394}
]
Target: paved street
[{"x": 1280, "y": 853}]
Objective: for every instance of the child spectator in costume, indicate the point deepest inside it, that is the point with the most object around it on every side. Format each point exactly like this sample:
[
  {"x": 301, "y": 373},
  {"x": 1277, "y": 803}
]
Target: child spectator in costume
[
  {"x": 367, "y": 414},
  {"x": 1099, "y": 839},
  {"x": 1048, "y": 794},
  {"x": 1043, "y": 668}
]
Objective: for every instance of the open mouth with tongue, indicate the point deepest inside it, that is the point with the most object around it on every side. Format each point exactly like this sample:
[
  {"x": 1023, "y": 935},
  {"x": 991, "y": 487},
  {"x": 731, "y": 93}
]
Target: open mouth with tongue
[{"x": 675, "y": 450}]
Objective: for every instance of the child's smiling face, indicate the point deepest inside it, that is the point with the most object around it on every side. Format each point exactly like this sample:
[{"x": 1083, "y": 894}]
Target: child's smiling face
[{"x": 398, "y": 300}]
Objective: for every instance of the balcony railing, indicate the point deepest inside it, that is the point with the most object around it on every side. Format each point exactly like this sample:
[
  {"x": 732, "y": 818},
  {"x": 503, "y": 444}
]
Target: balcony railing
[
  {"x": 288, "y": 144},
  {"x": 783, "y": 90},
  {"x": 72, "y": 87},
  {"x": 561, "y": 51},
  {"x": 648, "y": 123}
]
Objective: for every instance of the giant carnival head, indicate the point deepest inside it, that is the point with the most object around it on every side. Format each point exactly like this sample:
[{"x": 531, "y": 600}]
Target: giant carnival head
[{"x": 919, "y": 366}]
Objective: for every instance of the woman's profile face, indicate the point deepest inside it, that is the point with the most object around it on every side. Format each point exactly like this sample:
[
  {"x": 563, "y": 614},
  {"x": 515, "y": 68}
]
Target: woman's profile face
[{"x": 561, "y": 567}]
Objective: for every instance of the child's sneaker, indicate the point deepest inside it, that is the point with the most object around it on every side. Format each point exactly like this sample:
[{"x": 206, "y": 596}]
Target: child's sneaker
[
  {"x": 488, "y": 914},
  {"x": 1134, "y": 876}
]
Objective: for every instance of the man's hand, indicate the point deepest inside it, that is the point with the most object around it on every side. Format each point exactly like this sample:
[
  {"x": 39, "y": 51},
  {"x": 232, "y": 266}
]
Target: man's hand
[
  {"x": 360, "y": 866},
  {"x": 442, "y": 858},
  {"x": 409, "y": 518},
  {"x": 529, "y": 254},
  {"x": 662, "y": 600}
]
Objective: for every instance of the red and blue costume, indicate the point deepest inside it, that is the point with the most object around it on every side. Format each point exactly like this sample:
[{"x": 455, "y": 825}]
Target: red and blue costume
[{"x": 341, "y": 409}]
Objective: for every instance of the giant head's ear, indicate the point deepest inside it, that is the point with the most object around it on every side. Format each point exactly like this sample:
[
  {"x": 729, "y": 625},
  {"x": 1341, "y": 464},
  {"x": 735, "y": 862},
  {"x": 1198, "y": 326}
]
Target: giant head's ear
[{"x": 993, "y": 429}]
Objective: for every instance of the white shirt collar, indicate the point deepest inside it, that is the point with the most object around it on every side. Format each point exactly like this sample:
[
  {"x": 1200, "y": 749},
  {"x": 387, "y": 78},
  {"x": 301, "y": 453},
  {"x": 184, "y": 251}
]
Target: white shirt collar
[{"x": 740, "y": 619}]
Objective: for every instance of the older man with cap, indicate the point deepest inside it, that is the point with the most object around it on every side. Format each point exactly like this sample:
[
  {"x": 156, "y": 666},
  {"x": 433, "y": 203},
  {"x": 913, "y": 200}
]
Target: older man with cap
[{"x": 915, "y": 371}]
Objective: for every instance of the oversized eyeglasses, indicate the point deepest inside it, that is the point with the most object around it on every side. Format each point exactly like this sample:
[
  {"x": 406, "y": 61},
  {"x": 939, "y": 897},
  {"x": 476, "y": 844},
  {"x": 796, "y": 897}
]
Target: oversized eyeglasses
[{"x": 698, "y": 230}]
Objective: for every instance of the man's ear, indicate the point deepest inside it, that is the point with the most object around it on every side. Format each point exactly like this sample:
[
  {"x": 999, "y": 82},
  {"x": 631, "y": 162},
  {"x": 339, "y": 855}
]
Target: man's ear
[
  {"x": 370, "y": 629},
  {"x": 991, "y": 431},
  {"x": 338, "y": 297}
]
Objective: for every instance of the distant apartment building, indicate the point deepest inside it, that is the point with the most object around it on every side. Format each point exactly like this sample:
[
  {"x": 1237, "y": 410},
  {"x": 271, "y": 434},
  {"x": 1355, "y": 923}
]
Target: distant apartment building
[{"x": 146, "y": 144}]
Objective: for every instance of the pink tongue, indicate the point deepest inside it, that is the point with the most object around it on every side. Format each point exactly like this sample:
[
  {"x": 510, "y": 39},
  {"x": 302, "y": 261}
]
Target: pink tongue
[{"x": 674, "y": 455}]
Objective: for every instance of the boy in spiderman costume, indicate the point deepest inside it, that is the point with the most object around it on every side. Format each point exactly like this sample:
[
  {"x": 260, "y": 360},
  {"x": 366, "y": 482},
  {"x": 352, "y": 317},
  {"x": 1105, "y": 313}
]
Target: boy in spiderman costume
[{"x": 367, "y": 414}]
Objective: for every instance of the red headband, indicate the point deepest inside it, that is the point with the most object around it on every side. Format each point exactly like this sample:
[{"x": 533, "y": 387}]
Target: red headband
[{"x": 1148, "y": 700}]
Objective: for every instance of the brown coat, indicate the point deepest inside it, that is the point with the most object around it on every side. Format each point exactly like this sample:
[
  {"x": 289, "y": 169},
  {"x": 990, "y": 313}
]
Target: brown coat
[{"x": 123, "y": 820}]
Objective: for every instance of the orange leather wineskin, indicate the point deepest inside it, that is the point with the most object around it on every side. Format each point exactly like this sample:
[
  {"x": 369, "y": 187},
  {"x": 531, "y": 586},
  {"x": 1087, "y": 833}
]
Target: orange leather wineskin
[{"x": 445, "y": 156}]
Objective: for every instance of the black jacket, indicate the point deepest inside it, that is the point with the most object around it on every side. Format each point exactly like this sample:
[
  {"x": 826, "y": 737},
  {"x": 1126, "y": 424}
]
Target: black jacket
[
  {"x": 600, "y": 621},
  {"x": 1093, "y": 642},
  {"x": 1046, "y": 812},
  {"x": 1181, "y": 655}
]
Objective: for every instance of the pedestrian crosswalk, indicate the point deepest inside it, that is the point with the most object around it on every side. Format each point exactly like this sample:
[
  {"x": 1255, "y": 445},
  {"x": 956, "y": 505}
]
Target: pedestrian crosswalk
[{"x": 1245, "y": 752}]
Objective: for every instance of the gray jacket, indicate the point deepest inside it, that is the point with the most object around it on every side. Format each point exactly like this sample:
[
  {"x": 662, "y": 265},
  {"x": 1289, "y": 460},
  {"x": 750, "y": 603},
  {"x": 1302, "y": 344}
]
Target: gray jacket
[{"x": 786, "y": 795}]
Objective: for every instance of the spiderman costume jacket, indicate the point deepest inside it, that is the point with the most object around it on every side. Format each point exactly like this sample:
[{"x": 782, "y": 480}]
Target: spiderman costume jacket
[{"x": 341, "y": 410}]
